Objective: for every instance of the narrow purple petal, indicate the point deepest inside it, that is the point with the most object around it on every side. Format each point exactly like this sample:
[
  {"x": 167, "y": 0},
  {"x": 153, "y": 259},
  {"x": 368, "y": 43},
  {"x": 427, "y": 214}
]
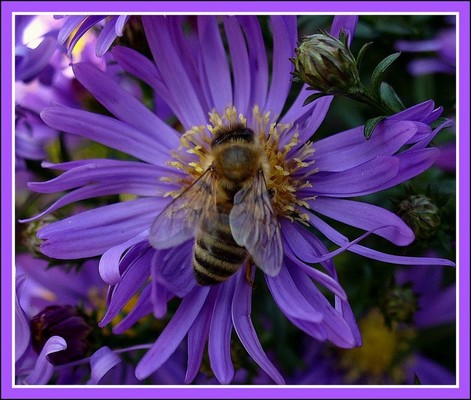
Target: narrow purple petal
[
  {"x": 339, "y": 239},
  {"x": 101, "y": 363},
  {"x": 142, "y": 308},
  {"x": 36, "y": 60},
  {"x": 240, "y": 62},
  {"x": 121, "y": 21},
  {"x": 132, "y": 280},
  {"x": 411, "y": 164},
  {"x": 124, "y": 106},
  {"x": 289, "y": 299},
  {"x": 367, "y": 217},
  {"x": 87, "y": 23},
  {"x": 215, "y": 62},
  {"x": 173, "y": 333},
  {"x": 439, "y": 309},
  {"x": 111, "y": 258},
  {"x": 159, "y": 298},
  {"x": 257, "y": 59},
  {"x": 420, "y": 112},
  {"x": 22, "y": 327},
  {"x": 43, "y": 369},
  {"x": 350, "y": 148},
  {"x": 106, "y": 37},
  {"x": 431, "y": 373},
  {"x": 108, "y": 131},
  {"x": 169, "y": 63},
  {"x": 346, "y": 23},
  {"x": 283, "y": 49},
  {"x": 338, "y": 331},
  {"x": 141, "y": 67},
  {"x": 72, "y": 22},
  {"x": 241, "y": 310},
  {"x": 356, "y": 181},
  {"x": 197, "y": 337},
  {"x": 76, "y": 236},
  {"x": 219, "y": 344},
  {"x": 173, "y": 268}
]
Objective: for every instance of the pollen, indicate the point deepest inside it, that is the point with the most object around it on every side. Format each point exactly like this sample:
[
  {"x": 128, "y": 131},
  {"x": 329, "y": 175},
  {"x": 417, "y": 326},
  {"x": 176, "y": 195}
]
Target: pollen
[{"x": 286, "y": 164}]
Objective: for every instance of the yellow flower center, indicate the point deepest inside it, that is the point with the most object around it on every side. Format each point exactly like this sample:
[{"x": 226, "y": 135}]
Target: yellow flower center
[{"x": 286, "y": 173}]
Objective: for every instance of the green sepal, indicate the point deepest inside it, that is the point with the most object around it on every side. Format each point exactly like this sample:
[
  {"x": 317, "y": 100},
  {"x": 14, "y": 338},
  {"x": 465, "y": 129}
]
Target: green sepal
[
  {"x": 390, "y": 97},
  {"x": 378, "y": 72},
  {"x": 370, "y": 126},
  {"x": 361, "y": 53}
]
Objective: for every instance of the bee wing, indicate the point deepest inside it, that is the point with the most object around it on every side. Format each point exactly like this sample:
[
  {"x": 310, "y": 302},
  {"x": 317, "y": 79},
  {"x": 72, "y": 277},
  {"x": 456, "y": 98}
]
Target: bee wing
[
  {"x": 180, "y": 219},
  {"x": 254, "y": 225}
]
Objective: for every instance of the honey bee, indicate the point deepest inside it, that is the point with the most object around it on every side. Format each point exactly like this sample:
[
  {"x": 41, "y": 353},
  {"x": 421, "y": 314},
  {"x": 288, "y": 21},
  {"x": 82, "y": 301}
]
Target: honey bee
[{"x": 227, "y": 210}]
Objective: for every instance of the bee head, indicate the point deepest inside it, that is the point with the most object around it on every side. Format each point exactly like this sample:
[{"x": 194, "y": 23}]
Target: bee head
[{"x": 231, "y": 133}]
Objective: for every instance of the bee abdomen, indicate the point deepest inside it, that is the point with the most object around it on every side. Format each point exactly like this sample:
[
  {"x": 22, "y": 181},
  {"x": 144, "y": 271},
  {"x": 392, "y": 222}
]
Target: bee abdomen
[{"x": 216, "y": 255}]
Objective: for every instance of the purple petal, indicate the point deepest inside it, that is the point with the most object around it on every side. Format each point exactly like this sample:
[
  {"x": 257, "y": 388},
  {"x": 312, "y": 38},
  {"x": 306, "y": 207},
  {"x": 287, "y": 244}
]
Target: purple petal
[
  {"x": 110, "y": 260},
  {"x": 420, "y": 112},
  {"x": 430, "y": 373},
  {"x": 347, "y": 23},
  {"x": 219, "y": 344},
  {"x": 43, "y": 369},
  {"x": 142, "y": 308},
  {"x": 240, "y": 62},
  {"x": 133, "y": 279},
  {"x": 141, "y": 67},
  {"x": 283, "y": 49},
  {"x": 436, "y": 310},
  {"x": 411, "y": 164},
  {"x": 257, "y": 59},
  {"x": 87, "y": 23},
  {"x": 76, "y": 236},
  {"x": 198, "y": 335},
  {"x": 215, "y": 62},
  {"x": 357, "y": 181},
  {"x": 22, "y": 326},
  {"x": 107, "y": 131},
  {"x": 159, "y": 298},
  {"x": 122, "y": 19},
  {"x": 338, "y": 331},
  {"x": 339, "y": 239},
  {"x": 120, "y": 103},
  {"x": 241, "y": 309},
  {"x": 36, "y": 60},
  {"x": 173, "y": 333},
  {"x": 101, "y": 363},
  {"x": 289, "y": 299},
  {"x": 173, "y": 269},
  {"x": 348, "y": 149},
  {"x": 72, "y": 22},
  {"x": 169, "y": 63},
  {"x": 365, "y": 216},
  {"x": 106, "y": 37}
]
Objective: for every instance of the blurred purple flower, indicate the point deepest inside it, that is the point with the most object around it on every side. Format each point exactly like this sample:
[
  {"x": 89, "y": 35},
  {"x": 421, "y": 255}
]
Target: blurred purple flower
[
  {"x": 443, "y": 45},
  {"x": 76, "y": 26},
  {"x": 193, "y": 76},
  {"x": 387, "y": 355}
]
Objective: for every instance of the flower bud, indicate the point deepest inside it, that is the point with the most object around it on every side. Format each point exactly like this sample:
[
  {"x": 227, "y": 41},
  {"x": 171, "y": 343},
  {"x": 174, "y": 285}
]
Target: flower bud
[
  {"x": 67, "y": 322},
  {"x": 326, "y": 64},
  {"x": 420, "y": 214},
  {"x": 399, "y": 304}
]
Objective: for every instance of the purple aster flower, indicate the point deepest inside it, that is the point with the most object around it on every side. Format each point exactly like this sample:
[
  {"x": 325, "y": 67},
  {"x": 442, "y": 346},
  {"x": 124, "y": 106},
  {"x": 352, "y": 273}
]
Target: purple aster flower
[
  {"x": 304, "y": 180},
  {"x": 443, "y": 45},
  {"x": 76, "y": 26}
]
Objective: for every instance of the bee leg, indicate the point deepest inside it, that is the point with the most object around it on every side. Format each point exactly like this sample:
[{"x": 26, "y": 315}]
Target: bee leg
[{"x": 248, "y": 272}]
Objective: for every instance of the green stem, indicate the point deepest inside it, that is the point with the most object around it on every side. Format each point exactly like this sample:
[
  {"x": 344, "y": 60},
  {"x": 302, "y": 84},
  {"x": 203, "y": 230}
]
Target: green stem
[{"x": 364, "y": 97}]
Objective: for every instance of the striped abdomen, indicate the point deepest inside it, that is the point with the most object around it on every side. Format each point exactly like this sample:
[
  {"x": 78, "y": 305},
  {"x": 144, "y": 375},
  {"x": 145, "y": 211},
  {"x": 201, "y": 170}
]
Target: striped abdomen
[{"x": 216, "y": 256}]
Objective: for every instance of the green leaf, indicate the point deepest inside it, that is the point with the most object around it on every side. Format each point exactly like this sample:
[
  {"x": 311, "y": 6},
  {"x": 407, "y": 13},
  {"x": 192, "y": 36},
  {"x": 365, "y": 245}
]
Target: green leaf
[
  {"x": 313, "y": 97},
  {"x": 370, "y": 126},
  {"x": 439, "y": 121},
  {"x": 390, "y": 97},
  {"x": 361, "y": 53},
  {"x": 378, "y": 72}
]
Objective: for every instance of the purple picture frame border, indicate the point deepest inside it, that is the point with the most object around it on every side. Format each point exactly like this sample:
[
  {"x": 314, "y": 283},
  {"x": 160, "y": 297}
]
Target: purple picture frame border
[{"x": 461, "y": 391}]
